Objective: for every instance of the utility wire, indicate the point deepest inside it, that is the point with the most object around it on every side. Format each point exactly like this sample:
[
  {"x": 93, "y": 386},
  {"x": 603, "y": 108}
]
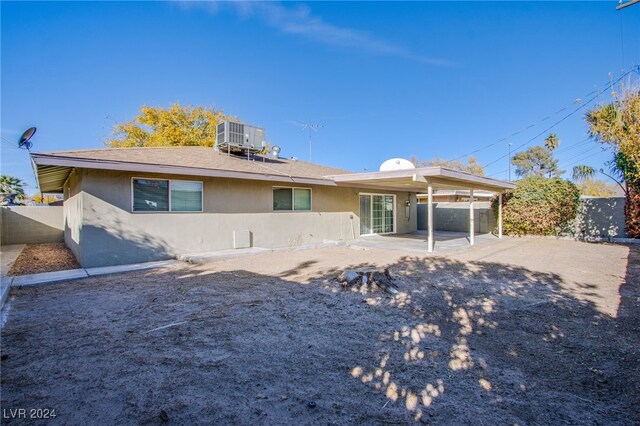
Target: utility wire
[
  {"x": 571, "y": 158},
  {"x": 525, "y": 128},
  {"x": 607, "y": 87},
  {"x": 12, "y": 144},
  {"x": 582, "y": 159},
  {"x": 573, "y": 146}
]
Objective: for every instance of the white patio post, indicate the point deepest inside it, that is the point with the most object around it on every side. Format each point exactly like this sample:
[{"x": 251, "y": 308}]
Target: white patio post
[
  {"x": 500, "y": 215},
  {"x": 430, "y": 218},
  {"x": 472, "y": 225}
]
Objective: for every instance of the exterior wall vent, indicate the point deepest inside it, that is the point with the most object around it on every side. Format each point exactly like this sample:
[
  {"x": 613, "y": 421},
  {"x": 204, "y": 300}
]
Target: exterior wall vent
[{"x": 239, "y": 137}]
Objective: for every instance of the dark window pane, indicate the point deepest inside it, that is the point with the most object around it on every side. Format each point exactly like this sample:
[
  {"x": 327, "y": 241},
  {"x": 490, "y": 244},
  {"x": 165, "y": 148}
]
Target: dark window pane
[
  {"x": 282, "y": 199},
  {"x": 150, "y": 195},
  {"x": 186, "y": 196}
]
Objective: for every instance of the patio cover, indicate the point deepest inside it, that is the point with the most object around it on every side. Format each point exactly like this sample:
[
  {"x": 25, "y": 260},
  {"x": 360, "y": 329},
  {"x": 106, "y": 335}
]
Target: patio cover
[{"x": 429, "y": 179}]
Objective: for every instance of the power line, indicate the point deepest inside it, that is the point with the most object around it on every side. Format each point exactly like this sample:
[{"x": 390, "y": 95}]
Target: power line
[
  {"x": 580, "y": 144},
  {"x": 13, "y": 145},
  {"x": 608, "y": 86},
  {"x": 582, "y": 159},
  {"x": 573, "y": 146},
  {"x": 577, "y": 100}
]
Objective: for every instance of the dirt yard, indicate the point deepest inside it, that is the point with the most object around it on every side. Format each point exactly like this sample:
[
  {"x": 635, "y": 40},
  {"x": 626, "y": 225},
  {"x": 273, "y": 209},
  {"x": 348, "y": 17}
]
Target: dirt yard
[
  {"x": 523, "y": 331},
  {"x": 47, "y": 257}
]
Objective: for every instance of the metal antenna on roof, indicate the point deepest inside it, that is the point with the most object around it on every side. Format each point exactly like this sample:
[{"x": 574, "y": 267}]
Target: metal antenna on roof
[{"x": 309, "y": 126}]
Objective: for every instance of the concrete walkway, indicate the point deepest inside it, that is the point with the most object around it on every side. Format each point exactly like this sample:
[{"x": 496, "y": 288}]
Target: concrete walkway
[
  {"x": 8, "y": 255},
  {"x": 74, "y": 274},
  {"x": 416, "y": 242}
]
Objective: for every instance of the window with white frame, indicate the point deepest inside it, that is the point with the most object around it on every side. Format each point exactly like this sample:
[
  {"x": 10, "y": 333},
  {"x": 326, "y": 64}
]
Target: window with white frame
[
  {"x": 298, "y": 199},
  {"x": 166, "y": 195}
]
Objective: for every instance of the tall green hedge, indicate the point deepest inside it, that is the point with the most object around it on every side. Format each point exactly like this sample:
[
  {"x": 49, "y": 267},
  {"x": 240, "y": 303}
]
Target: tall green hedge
[{"x": 539, "y": 206}]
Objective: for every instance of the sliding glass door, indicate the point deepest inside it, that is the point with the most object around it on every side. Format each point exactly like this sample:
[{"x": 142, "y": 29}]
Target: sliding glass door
[{"x": 376, "y": 214}]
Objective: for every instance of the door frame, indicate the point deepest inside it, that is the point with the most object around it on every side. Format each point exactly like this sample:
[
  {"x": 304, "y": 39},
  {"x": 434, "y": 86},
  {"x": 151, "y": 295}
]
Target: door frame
[{"x": 395, "y": 208}]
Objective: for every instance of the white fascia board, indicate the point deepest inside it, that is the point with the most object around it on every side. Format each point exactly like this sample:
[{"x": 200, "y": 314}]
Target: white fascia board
[{"x": 457, "y": 178}]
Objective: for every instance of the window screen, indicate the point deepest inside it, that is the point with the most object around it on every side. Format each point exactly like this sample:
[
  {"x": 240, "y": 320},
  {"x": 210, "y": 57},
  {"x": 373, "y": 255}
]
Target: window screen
[
  {"x": 301, "y": 199},
  {"x": 150, "y": 195},
  {"x": 186, "y": 196}
]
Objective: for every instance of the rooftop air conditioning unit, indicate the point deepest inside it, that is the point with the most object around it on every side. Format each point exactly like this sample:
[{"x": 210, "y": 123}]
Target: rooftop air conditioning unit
[{"x": 238, "y": 137}]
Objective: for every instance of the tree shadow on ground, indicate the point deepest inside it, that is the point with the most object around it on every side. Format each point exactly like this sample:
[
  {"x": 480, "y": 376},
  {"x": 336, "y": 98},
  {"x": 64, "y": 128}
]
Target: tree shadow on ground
[
  {"x": 495, "y": 334},
  {"x": 463, "y": 342}
]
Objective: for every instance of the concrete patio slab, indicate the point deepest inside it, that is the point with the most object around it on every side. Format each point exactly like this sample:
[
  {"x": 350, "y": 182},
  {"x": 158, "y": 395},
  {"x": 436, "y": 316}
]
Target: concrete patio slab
[
  {"x": 416, "y": 242},
  {"x": 48, "y": 277}
]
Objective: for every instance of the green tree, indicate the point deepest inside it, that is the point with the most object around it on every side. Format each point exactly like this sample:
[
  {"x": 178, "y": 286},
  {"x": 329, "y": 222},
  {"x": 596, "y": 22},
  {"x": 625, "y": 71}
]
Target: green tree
[
  {"x": 536, "y": 161},
  {"x": 12, "y": 185},
  {"x": 173, "y": 126},
  {"x": 471, "y": 166},
  {"x": 539, "y": 206},
  {"x": 617, "y": 126}
]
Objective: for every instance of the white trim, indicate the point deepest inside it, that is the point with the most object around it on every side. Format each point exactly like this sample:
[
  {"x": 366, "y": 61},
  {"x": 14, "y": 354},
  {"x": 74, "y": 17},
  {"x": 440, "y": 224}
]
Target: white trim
[
  {"x": 395, "y": 213},
  {"x": 293, "y": 199},
  {"x": 169, "y": 196}
]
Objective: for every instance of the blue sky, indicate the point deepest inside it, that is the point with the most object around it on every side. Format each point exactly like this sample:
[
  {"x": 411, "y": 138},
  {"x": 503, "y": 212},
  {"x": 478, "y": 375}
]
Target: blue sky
[{"x": 385, "y": 79}]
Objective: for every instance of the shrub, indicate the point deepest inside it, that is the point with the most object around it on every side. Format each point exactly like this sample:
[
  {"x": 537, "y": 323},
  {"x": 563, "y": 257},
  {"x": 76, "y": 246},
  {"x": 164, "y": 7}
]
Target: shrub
[{"x": 539, "y": 206}]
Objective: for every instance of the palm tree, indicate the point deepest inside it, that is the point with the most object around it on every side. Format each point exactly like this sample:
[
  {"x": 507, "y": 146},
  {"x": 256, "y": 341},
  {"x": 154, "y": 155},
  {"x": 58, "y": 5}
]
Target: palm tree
[
  {"x": 551, "y": 142},
  {"x": 581, "y": 173},
  {"x": 12, "y": 185}
]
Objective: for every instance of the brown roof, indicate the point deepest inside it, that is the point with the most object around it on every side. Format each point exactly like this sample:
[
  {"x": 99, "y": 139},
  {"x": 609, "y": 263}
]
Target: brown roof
[
  {"x": 52, "y": 167},
  {"x": 202, "y": 158}
]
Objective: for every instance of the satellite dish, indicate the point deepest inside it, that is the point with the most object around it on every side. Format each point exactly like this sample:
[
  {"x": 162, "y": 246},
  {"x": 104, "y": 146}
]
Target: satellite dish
[
  {"x": 396, "y": 164},
  {"x": 275, "y": 151},
  {"x": 24, "y": 139}
]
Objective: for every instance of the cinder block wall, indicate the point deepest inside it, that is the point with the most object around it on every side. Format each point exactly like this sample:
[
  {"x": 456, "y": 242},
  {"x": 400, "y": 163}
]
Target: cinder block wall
[
  {"x": 454, "y": 217},
  {"x": 29, "y": 225},
  {"x": 600, "y": 218}
]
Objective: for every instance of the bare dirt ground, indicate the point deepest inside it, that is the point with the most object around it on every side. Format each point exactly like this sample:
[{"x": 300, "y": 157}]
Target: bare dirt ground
[
  {"x": 523, "y": 331},
  {"x": 48, "y": 257}
]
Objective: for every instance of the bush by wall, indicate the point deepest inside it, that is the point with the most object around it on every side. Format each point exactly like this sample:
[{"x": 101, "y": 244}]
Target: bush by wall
[{"x": 539, "y": 206}]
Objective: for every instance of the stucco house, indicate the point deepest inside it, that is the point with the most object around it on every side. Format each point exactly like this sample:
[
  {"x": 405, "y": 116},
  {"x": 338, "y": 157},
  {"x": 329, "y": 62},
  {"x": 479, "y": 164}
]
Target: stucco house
[{"x": 141, "y": 204}]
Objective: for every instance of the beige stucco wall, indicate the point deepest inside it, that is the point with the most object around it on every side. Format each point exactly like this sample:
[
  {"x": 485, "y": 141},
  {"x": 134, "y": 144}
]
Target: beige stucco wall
[
  {"x": 73, "y": 215},
  {"x": 98, "y": 213},
  {"x": 30, "y": 225}
]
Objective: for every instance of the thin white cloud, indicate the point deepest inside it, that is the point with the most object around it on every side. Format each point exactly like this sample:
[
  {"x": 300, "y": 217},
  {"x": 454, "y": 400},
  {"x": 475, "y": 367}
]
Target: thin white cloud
[{"x": 299, "y": 21}]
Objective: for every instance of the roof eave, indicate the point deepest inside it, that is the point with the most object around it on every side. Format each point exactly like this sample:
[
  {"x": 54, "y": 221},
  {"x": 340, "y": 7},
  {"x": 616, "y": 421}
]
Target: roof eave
[
  {"x": 40, "y": 159},
  {"x": 440, "y": 175}
]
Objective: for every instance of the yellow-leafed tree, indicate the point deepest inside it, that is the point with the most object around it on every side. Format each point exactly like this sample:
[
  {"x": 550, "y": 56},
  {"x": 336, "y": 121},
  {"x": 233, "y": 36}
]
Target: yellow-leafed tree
[{"x": 174, "y": 126}]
